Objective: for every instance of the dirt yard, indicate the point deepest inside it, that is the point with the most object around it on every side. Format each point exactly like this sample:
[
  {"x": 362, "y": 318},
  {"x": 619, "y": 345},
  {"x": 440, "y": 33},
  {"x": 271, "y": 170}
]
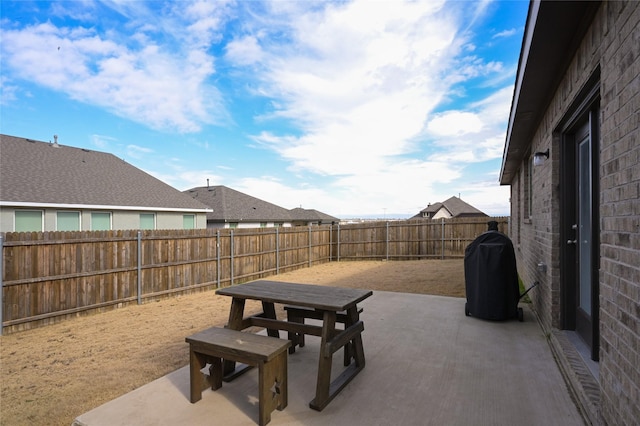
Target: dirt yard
[{"x": 53, "y": 374}]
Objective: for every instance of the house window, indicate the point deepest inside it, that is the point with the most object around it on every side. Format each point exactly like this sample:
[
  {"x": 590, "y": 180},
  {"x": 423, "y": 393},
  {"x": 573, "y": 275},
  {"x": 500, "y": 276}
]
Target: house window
[
  {"x": 233, "y": 225},
  {"x": 100, "y": 221},
  {"x": 278, "y": 224},
  {"x": 28, "y": 220},
  {"x": 147, "y": 221},
  {"x": 263, "y": 224},
  {"x": 68, "y": 221},
  {"x": 188, "y": 221}
]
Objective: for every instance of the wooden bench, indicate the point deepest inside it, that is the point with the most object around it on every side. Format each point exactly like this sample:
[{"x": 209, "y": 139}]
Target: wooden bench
[
  {"x": 299, "y": 313},
  {"x": 269, "y": 354}
]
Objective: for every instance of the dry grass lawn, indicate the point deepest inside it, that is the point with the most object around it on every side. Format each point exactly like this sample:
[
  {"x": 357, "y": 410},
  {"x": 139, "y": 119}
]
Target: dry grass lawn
[{"x": 53, "y": 374}]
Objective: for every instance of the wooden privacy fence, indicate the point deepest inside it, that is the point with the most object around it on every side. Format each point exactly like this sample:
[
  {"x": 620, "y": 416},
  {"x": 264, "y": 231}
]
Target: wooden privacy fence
[{"x": 48, "y": 276}]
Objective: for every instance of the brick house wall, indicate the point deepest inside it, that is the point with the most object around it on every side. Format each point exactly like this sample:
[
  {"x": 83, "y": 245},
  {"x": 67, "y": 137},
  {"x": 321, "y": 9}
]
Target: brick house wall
[
  {"x": 620, "y": 214},
  {"x": 611, "y": 47}
]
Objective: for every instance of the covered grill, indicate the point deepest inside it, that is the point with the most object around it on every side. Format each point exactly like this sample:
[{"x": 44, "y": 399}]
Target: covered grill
[{"x": 491, "y": 277}]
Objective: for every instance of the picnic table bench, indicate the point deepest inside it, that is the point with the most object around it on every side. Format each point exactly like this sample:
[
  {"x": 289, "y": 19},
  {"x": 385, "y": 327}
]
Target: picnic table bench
[
  {"x": 269, "y": 354},
  {"x": 329, "y": 304}
]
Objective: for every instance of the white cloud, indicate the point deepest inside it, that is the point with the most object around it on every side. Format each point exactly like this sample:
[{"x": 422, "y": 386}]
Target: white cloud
[
  {"x": 488, "y": 197},
  {"x": 135, "y": 151},
  {"x": 359, "y": 79},
  {"x": 153, "y": 84},
  {"x": 455, "y": 123},
  {"x": 473, "y": 135},
  {"x": 8, "y": 91},
  {"x": 244, "y": 51},
  {"x": 506, "y": 33},
  {"x": 183, "y": 180},
  {"x": 273, "y": 190},
  {"x": 102, "y": 142},
  {"x": 397, "y": 188}
]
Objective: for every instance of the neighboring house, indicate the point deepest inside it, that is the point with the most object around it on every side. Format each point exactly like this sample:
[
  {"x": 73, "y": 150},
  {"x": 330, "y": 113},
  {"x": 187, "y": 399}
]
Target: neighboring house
[
  {"x": 304, "y": 217},
  {"x": 50, "y": 187},
  {"x": 452, "y": 207},
  {"x": 572, "y": 159},
  {"x": 235, "y": 209}
]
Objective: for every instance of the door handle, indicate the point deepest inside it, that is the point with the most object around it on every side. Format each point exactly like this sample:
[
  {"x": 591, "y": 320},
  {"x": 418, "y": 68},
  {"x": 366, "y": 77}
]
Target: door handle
[{"x": 574, "y": 242}]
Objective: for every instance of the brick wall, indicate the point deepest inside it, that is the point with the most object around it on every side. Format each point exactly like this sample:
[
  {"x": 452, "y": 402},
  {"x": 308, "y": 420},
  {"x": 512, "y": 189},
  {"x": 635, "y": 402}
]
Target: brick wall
[
  {"x": 620, "y": 214},
  {"x": 613, "y": 43},
  {"x": 535, "y": 236}
]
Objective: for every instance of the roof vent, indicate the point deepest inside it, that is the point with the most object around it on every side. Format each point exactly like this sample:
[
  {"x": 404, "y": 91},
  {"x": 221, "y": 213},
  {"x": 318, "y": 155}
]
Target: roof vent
[{"x": 55, "y": 141}]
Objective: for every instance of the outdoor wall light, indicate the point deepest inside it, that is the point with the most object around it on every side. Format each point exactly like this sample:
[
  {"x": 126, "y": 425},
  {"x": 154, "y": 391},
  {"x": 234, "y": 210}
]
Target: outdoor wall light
[{"x": 539, "y": 157}]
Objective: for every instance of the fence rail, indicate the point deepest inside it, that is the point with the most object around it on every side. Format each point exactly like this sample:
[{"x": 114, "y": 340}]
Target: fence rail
[{"x": 46, "y": 277}]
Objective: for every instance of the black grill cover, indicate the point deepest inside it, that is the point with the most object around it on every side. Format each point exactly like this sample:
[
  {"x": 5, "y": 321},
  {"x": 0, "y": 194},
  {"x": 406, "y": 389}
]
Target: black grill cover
[{"x": 491, "y": 277}]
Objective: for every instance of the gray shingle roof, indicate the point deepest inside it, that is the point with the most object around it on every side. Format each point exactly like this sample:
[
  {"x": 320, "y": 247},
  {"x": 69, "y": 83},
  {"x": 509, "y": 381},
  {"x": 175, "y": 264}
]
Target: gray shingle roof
[
  {"x": 46, "y": 173},
  {"x": 235, "y": 206},
  {"x": 312, "y": 215},
  {"x": 455, "y": 206}
]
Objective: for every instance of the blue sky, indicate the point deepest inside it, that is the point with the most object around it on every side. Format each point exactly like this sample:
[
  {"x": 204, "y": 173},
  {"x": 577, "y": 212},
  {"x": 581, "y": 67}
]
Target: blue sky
[{"x": 354, "y": 108}]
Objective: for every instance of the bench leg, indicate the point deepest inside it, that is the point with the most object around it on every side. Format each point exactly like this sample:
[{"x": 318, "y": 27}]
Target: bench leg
[
  {"x": 282, "y": 388},
  {"x": 196, "y": 363},
  {"x": 272, "y": 384},
  {"x": 215, "y": 373}
]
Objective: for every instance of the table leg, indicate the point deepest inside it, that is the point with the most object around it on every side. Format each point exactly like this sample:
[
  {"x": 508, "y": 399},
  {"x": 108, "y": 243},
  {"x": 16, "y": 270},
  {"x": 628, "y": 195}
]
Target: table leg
[
  {"x": 324, "y": 363},
  {"x": 235, "y": 323},
  {"x": 269, "y": 310},
  {"x": 356, "y": 349},
  {"x": 332, "y": 340}
]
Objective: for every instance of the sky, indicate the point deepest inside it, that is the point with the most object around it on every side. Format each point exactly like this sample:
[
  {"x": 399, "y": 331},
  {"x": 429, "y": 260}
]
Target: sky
[{"x": 354, "y": 108}]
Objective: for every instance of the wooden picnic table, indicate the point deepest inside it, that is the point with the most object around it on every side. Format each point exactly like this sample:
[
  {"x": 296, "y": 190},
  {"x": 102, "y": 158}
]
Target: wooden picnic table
[{"x": 326, "y": 301}]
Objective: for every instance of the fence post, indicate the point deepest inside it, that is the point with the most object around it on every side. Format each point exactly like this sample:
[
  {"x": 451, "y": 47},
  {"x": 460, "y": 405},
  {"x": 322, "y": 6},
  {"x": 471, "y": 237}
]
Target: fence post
[
  {"x": 331, "y": 242},
  {"x": 387, "y": 242},
  {"x": 442, "y": 221},
  {"x": 218, "y": 258},
  {"x": 338, "y": 245},
  {"x": 139, "y": 267},
  {"x": 277, "y": 251},
  {"x": 1, "y": 282},
  {"x": 310, "y": 246},
  {"x": 231, "y": 256}
]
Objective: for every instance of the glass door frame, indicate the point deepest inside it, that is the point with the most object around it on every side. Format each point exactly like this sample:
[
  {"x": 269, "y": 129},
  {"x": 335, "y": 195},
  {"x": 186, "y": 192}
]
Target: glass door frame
[{"x": 569, "y": 234}]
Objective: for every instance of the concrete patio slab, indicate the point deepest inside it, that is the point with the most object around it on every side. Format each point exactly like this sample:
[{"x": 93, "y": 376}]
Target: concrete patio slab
[{"x": 426, "y": 364}]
